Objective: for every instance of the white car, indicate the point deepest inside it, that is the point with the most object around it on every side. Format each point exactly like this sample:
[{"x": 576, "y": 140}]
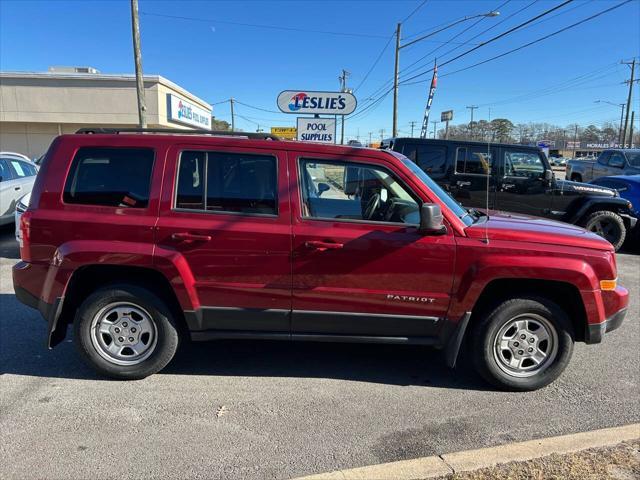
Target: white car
[{"x": 17, "y": 175}]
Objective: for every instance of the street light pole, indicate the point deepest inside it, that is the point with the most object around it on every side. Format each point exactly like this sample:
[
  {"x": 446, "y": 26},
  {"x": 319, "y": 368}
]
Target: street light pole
[
  {"x": 396, "y": 70},
  {"x": 626, "y": 118},
  {"x": 472, "y": 108},
  {"x": 135, "y": 28}
]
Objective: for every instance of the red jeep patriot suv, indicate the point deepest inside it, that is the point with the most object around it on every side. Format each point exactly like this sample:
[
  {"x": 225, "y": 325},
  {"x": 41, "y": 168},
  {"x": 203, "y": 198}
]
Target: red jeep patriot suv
[{"x": 142, "y": 240}]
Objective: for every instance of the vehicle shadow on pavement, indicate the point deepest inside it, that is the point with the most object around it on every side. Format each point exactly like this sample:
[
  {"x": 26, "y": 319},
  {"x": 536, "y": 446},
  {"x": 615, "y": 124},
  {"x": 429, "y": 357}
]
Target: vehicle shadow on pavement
[
  {"x": 8, "y": 245},
  {"x": 22, "y": 354}
]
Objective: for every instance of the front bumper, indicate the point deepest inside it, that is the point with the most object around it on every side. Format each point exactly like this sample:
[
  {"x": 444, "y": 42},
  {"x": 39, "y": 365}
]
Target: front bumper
[{"x": 596, "y": 331}]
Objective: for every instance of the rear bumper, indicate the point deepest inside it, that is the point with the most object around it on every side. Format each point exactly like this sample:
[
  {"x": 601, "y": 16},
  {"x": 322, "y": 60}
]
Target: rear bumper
[{"x": 596, "y": 331}]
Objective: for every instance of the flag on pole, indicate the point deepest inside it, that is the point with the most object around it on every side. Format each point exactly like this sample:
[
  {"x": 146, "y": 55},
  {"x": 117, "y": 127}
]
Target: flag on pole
[{"x": 427, "y": 110}]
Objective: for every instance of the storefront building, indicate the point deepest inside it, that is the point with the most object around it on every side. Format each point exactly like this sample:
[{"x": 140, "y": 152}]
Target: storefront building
[{"x": 36, "y": 107}]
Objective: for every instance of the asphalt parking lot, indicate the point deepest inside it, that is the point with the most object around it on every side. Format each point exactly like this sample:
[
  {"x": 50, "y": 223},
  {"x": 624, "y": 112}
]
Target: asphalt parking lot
[{"x": 279, "y": 410}]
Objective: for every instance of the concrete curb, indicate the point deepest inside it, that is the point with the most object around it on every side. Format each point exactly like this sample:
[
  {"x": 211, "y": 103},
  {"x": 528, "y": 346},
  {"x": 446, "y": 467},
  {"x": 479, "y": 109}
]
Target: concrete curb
[{"x": 439, "y": 465}]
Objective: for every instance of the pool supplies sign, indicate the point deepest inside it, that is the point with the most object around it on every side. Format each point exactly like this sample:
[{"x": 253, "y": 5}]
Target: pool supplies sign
[
  {"x": 317, "y": 130},
  {"x": 186, "y": 113},
  {"x": 318, "y": 103}
]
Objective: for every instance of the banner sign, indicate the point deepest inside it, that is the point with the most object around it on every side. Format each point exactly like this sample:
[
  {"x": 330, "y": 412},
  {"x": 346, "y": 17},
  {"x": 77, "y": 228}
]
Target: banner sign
[
  {"x": 320, "y": 103},
  {"x": 181, "y": 111},
  {"x": 317, "y": 130},
  {"x": 427, "y": 110},
  {"x": 289, "y": 133}
]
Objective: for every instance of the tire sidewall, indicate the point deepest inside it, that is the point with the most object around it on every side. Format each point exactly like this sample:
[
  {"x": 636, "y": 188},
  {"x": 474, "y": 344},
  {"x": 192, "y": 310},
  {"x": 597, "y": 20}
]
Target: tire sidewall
[
  {"x": 610, "y": 216},
  {"x": 167, "y": 333},
  {"x": 505, "y": 312}
]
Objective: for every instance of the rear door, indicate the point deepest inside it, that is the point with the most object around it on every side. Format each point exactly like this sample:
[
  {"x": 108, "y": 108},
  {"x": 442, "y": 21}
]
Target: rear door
[
  {"x": 473, "y": 183},
  {"x": 522, "y": 187},
  {"x": 9, "y": 190},
  {"x": 228, "y": 217},
  {"x": 360, "y": 266},
  {"x": 601, "y": 166}
]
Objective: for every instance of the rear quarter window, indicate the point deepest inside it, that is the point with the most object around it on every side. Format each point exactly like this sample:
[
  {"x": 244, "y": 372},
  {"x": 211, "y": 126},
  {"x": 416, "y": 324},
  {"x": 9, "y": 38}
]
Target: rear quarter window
[{"x": 115, "y": 177}]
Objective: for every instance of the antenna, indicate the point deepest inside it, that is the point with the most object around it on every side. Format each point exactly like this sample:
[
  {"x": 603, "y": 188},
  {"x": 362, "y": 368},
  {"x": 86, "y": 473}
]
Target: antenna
[{"x": 491, "y": 163}]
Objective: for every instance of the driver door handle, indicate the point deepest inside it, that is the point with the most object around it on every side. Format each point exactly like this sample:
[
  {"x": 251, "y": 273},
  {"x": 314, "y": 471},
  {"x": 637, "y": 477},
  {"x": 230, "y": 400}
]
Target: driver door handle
[
  {"x": 462, "y": 184},
  {"x": 322, "y": 246},
  {"x": 190, "y": 236}
]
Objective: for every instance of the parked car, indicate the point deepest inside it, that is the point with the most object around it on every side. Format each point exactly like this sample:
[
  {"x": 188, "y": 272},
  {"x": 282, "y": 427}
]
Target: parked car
[
  {"x": 142, "y": 241},
  {"x": 609, "y": 162},
  {"x": 558, "y": 161},
  {"x": 628, "y": 187},
  {"x": 517, "y": 178},
  {"x": 16, "y": 178}
]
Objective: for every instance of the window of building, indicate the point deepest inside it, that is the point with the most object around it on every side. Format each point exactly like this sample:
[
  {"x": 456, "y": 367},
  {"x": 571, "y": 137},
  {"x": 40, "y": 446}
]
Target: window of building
[
  {"x": 227, "y": 182},
  {"x": 115, "y": 177}
]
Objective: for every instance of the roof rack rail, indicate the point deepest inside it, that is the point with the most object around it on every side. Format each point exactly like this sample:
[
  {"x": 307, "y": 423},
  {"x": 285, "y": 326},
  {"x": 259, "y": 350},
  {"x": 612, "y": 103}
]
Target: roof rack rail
[{"x": 216, "y": 133}]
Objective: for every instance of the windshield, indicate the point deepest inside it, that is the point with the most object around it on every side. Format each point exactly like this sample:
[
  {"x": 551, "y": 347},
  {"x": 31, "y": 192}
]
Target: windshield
[
  {"x": 634, "y": 158},
  {"x": 447, "y": 199}
]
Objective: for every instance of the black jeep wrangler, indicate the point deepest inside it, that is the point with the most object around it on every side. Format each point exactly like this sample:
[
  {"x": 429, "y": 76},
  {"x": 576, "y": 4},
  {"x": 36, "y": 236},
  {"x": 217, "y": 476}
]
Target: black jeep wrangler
[{"x": 517, "y": 178}]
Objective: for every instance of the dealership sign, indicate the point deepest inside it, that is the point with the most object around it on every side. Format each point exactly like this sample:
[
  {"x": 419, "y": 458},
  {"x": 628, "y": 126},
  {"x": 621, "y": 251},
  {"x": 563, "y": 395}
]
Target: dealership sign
[
  {"x": 317, "y": 130},
  {"x": 181, "y": 111},
  {"x": 319, "y": 103}
]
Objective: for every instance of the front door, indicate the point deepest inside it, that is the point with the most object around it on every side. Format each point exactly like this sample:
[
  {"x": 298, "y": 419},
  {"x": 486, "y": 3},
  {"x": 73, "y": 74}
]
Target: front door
[
  {"x": 522, "y": 187},
  {"x": 473, "y": 181},
  {"x": 360, "y": 266},
  {"x": 228, "y": 218}
]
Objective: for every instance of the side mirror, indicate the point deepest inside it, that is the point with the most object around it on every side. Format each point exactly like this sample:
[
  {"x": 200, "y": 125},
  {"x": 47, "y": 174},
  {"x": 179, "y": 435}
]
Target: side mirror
[
  {"x": 431, "y": 219},
  {"x": 323, "y": 187},
  {"x": 548, "y": 175}
]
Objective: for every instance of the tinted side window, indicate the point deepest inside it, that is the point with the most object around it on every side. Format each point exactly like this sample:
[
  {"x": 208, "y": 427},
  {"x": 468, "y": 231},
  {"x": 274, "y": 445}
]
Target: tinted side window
[
  {"x": 227, "y": 182},
  {"x": 603, "y": 159},
  {"x": 522, "y": 164},
  {"x": 116, "y": 177},
  {"x": 432, "y": 159},
  {"x": 5, "y": 172},
  {"x": 29, "y": 170},
  {"x": 473, "y": 161}
]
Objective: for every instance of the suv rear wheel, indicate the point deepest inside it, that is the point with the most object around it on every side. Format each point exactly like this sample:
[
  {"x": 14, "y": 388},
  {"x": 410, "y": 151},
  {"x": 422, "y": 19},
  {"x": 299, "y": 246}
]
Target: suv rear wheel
[
  {"x": 523, "y": 344},
  {"x": 125, "y": 332},
  {"x": 608, "y": 225}
]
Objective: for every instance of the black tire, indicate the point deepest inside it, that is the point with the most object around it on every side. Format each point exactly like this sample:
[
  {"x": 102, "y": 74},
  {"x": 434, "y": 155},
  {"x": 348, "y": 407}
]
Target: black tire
[
  {"x": 608, "y": 225},
  {"x": 576, "y": 177},
  {"x": 490, "y": 324},
  {"x": 166, "y": 333}
]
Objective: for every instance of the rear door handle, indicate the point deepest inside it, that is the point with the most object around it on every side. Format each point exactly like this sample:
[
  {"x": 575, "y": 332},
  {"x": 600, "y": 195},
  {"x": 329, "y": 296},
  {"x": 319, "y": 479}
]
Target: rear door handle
[
  {"x": 190, "y": 236},
  {"x": 322, "y": 246},
  {"x": 17, "y": 189}
]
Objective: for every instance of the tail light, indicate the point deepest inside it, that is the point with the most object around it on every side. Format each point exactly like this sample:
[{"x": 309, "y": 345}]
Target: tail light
[{"x": 25, "y": 232}]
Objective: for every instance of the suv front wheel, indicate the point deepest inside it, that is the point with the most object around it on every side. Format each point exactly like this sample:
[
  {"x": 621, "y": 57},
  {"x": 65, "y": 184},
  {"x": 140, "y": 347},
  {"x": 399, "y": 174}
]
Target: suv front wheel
[
  {"x": 523, "y": 344},
  {"x": 125, "y": 332},
  {"x": 609, "y": 225}
]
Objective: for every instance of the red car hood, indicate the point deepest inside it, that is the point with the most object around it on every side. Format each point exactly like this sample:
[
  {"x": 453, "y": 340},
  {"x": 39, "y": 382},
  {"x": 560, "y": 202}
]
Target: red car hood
[{"x": 516, "y": 227}]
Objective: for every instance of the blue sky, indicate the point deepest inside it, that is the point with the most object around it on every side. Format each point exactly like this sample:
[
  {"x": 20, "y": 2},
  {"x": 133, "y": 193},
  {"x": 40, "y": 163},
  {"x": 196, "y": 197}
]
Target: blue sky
[{"x": 557, "y": 80}]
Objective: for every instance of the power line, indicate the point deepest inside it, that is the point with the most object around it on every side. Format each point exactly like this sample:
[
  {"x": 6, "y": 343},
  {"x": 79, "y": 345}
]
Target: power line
[
  {"x": 375, "y": 62},
  {"x": 257, "y": 25},
  {"x": 493, "y": 39},
  {"x": 256, "y": 108},
  {"x": 414, "y": 11},
  {"x": 580, "y": 22}
]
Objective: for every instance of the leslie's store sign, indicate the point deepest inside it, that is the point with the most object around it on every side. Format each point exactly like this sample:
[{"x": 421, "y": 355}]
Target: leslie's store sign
[{"x": 181, "y": 111}]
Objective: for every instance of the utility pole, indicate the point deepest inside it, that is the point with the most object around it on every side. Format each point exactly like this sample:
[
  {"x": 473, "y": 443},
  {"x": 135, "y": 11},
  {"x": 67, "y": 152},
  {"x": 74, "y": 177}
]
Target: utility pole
[
  {"x": 435, "y": 122},
  {"x": 633, "y": 114},
  {"x": 370, "y": 133},
  {"x": 396, "y": 72},
  {"x": 622, "y": 105},
  {"x": 233, "y": 118},
  {"x": 626, "y": 118},
  {"x": 575, "y": 140},
  {"x": 135, "y": 28},
  {"x": 343, "y": 88},
  {"x": 413, "y": 124},
  {"x": 472, "y": 108}
]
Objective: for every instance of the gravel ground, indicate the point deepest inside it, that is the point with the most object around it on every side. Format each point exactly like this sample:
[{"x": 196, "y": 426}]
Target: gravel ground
[
  {"x": 620, "y": 462},
  {"x": 289, "y": 409}
]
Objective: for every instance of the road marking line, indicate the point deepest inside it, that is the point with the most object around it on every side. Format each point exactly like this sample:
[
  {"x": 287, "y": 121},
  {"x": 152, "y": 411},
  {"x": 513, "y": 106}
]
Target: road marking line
[{"x": 439, "y": 465}]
